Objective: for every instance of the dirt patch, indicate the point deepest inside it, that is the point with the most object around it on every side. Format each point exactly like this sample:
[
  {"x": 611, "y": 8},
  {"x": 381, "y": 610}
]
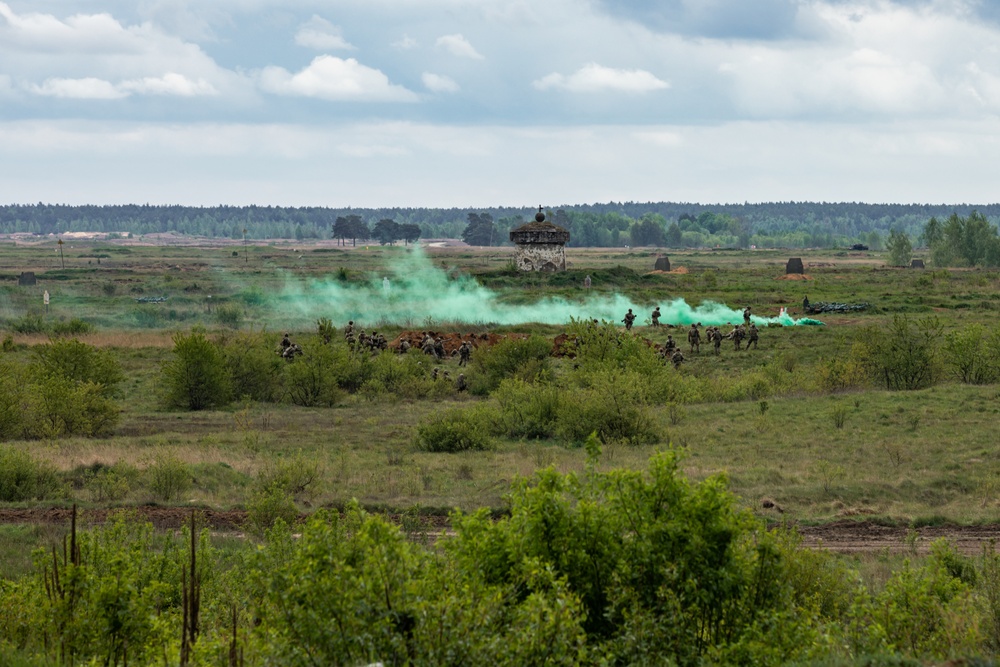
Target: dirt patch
[
  {"x": 679, "y": 271},
  {"x": 452, "y": 341},
  {"x": 848, "y": 537},
  {"x": 795, "y": 276}
]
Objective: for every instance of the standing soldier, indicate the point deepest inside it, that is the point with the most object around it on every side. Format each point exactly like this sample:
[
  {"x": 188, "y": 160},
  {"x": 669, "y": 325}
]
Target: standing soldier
[
  {"x": 464, "y": 352},
  {"x": 439, "y": 347},
  {"x": 586, "y": 282},
  {"x": 460, "y": 384},
  {"x": 677, "y": 357},
  {"x": 670, "y": 345},
  {"x": 746, "y": 316},
  {"x": 629, "y": 319},
  {"x": 805, "y": 304},
  {"x": 694, "y": 338},
  {"x": 716, "y": 338},
  {"x": 349, "y": 330},
  {"x": 752, "y": 336},
  {"x": 656, "y": 316}
]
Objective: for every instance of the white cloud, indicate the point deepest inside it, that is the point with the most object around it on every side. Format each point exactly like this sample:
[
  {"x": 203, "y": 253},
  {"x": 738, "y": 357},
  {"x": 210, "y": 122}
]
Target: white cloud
[
  {"x": 332, "y": 78},
  {"x": 439, "y": 83},
  {"x": 405, "y": 43},
  {"x": 88, "y": 88},
  {"x": 319, "y": 34},
  {"x": 170, "y": 83},
  {"x": 459, "y": 46},
  {"x": 594, "y": 78}
]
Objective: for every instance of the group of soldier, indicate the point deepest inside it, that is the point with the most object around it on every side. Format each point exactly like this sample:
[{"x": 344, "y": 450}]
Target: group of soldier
[{"x": 670, "y": 350}]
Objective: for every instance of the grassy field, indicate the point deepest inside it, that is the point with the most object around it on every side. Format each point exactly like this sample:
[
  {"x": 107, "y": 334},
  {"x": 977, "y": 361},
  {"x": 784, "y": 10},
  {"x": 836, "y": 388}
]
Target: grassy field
[{"x": 916, "y": 456}]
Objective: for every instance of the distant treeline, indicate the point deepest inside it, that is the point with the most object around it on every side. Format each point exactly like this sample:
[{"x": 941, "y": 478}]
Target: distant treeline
[{"x": 666, "y": 224}]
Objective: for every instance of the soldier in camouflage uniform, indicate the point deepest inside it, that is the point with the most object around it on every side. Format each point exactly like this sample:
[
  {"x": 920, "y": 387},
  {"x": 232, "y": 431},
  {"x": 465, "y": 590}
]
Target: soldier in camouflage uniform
[
  {"x": 656, "y": 316},
  {"x": 752, "y": 336},
  {"x": 427, "y": 345},
  {"x": 716, "y": 338},
  {"x": 404, "y": 346},
  {"x": 746, "y": 316},
  {"x": 629, "y": 319},
  {"x": 349, "y": 330},
  {"x": 464, "y": 353},
  {"x": 694, "y": 338},
  {"x": 460, "y": 384},
  {"x": 676, "y": 358},
  {"x": 439, "y": 348}
]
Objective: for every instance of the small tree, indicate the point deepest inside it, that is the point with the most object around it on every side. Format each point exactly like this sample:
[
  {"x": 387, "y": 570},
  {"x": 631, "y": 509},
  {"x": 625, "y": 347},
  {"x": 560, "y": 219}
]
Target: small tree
[
  {"x": 903, "y": 355},
  {"x": 196, "y": 378},
  {"x": 900, "y": 248}
]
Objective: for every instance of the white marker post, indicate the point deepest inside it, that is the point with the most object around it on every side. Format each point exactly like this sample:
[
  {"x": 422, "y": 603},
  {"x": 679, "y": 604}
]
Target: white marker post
[{"x": 45, "y": 299}]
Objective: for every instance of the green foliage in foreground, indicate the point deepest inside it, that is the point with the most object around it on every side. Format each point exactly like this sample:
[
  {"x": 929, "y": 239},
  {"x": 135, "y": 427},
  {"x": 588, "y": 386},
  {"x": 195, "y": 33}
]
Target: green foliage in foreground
[{"x": 615, "y": 567}]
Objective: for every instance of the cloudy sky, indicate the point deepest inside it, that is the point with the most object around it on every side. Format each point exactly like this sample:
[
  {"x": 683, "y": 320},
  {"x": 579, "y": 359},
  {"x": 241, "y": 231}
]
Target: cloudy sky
[{"x": 498, "y": 102}]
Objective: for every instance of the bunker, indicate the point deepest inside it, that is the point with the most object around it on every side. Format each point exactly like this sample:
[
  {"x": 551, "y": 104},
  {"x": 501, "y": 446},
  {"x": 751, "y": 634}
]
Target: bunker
[{"x": 541, "y": 246}]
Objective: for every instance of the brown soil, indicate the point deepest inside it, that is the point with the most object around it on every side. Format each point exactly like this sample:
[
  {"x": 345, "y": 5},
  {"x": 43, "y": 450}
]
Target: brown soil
[
  {"x": 844, "y": 536},
  {"x": 795, "y": 276},
  {"x": 452, "y": 341},
  {"x": 848, "y": 537}
]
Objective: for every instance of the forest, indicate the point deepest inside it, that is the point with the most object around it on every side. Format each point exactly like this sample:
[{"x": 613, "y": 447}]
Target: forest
[{"x": 614, "y": 224}]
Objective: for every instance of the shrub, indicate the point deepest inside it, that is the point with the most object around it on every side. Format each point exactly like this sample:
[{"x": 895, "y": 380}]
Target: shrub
[
  {"x": 29, "y": 323},
  {"x": 23, "y": 478},
  {"x": 58, "y": 406},
  {"x": 526, "y": 359},
  {"x": 196, "y": 378},
  {"x": 79, "y": 362},
  {"x": 904, "y": 354},
  {"x": 110, "y": 483},
  {"x": 973, "y": 354},
  {"x": 525, "y": 410},
  {"x": 167, "y": 477},
  {"x": 254, "y": 370},
  {"x": 454, "y": 430},
  {"x": 311, "y": 380},
  {"x": 297, "y": 476},
  {"x": 229, "y": 315},
  {"x": 612, "y": 406},
  {"x": 73, "y": 327},
  {"x": 267, "y": 506},
  {"x": 840, "y": 374}
]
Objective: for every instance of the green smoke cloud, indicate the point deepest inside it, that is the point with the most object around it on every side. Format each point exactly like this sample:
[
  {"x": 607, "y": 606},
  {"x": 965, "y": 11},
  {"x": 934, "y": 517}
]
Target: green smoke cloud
[{"x": 415, "y": 292}]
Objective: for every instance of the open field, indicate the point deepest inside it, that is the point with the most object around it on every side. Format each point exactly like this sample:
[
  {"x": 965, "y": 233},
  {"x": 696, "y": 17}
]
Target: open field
[
  {"x": 802, "y": 429},
  {"x": 900, "y": 457}
]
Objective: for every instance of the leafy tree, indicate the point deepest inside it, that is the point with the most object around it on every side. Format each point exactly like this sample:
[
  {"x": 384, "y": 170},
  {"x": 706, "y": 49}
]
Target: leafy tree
[
  {"x": 409, "y": 232},
  {"x": 386, "y": 231},
  {"x": 932, "y": 234},
  {"x": 899, "y": 247},
  {"x": 197, "y": 377},
  {"x": 79, "y": 362},
  {"x": 674, "y": 233},
  {"x": 480, "y": 230},
  {"x": 351, "y": 227},
  {"x": 903, "y": 355},
  {"x": 648, "y": 232}
]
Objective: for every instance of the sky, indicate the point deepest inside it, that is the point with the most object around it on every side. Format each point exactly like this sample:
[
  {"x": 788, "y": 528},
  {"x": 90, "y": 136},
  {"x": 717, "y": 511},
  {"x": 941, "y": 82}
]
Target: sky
[{"x": 475, "y": 103}]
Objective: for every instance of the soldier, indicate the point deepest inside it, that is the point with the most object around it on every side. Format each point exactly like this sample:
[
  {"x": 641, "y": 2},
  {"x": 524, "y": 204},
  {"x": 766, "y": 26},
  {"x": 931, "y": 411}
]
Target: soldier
[
  {"x": 629, "y": 319},
  {"x": 439, "y": 348},
  {"x": 460, "y": 384},
  {"x": 428, "y": 344},
  {"x": 656, "y": 316},
  {"x": 290, "y": 352},
  {"x": 694, "y": 338},
  {"x": 716, "y": 338},
  {"x": 434, "y": 373},
  {"x": 464, "y": 352},
  {"x": 286, "y": 342},
  {"x": 670, "y": 345},
  {"x": 737, "y": 336},
  {"x": 349, "y": 329},
  {"x": 746, "y": 316},
  {"x": 752, "y": 336},
  {"x": 805, "y": 304},
  {"x": 676, "y": 358},
  {"x": 404, "y": 346}
]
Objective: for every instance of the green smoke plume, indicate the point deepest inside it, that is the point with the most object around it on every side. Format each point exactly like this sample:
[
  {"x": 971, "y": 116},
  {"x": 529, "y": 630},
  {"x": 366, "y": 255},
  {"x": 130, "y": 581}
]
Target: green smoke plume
[{"x": 415, "y": 292}]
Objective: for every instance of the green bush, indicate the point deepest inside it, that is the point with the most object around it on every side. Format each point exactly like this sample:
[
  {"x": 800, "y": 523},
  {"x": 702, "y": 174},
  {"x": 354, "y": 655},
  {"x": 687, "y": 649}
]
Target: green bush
[
  {"x": 58, "y": 406},
  {"x": 196, "y": 378},
  {"x": 167, "y": 477},
  {"x": 29, "y": 323},
  {"x": 311, "y": 379},
  {"x": 110, "y": 483},
  {"x": 23, "y": 478},
  {"x": 267, "y": 506},
  {"x": 973, "y": 354},
  {"x": 79, "y": 362},
  {"x": 903, "y": 355},
  {"x": 454, "y": 430},
  {"x": 525, "y": 410},
  {"x": 229, "y": 315},
  {"x": 73, "y": 327},
  {"x": 612, "y": 405},
  {"x": 526, "y": 359},
  {"x": 255, "y": 371}
]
